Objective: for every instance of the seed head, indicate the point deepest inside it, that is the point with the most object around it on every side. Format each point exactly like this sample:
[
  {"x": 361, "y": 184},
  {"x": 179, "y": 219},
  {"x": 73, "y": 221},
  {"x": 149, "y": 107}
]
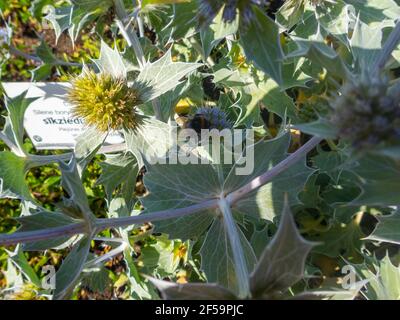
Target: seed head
[
  {"x": 367, "y": 114},
  {"x": 104, "y": 101}
]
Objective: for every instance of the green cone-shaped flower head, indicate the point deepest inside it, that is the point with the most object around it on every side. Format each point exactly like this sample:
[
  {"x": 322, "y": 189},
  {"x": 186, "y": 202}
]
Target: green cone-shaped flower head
[{"x": 104, "y": 101}]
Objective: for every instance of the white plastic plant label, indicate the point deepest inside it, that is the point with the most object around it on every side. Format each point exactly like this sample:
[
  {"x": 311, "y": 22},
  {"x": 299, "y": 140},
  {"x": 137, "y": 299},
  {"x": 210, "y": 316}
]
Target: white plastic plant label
[{"x": 48, "y": 120}]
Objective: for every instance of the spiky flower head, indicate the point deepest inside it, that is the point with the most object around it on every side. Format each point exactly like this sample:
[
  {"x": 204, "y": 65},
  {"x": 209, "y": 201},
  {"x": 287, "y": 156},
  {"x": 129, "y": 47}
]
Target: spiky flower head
[
  {"x": 209, "y": 118},
  {"x": 209, "y": 9},
  {"x": 104, "y": 101},
  {"x": 367, "y": 114}
]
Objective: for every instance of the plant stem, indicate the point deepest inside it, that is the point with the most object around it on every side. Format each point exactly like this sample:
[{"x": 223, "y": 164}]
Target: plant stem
[
  {"x": 127, "y": 32},
  {"x": 133, "y": 42},
  {"x": 22, "y": 54},
  {"x": 38, "y": 235},
  {"x": 28, "y": 56},
  {"x": 43, "y": 160},
  {"x": 101, "y": 224},
  {"x": 37, "y": 160},
  {"x": 273, "y": 172},
  {"x": 110, "y": 254},
  {"x": 231, "y": 229},
  {"x": 332, "y": 145},
  {"x": 49, "y": 159},
  {"x": 139, "y": 19},
  {"x": 391, "y": 43},
  {"x": 70, "y": 64}
]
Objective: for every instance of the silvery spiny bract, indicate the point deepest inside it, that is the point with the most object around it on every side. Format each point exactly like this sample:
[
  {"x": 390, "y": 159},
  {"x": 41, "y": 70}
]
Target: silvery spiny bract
[
  {"x": 104, "y": 101},
  {"x": 367, "y": 114},
  {"x": 209, "y": 9}
]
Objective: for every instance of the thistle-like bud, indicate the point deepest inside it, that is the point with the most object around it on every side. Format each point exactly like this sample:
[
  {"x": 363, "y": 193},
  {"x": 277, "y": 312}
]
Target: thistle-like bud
[
  {"x": 209, "y": 9},
  {"x": 104, "y": 101},
  {"x": 367, "y": 114},
  {"x": 209, "y": 118}
]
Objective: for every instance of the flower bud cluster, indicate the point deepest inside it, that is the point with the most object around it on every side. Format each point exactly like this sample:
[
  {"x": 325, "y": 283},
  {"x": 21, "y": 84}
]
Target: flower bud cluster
[{"x": 367, "y": 113}]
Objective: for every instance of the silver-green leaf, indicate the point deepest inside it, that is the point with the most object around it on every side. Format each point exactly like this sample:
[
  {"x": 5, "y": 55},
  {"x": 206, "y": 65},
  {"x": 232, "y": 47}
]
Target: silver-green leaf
[{"x": 282, "y": 263}]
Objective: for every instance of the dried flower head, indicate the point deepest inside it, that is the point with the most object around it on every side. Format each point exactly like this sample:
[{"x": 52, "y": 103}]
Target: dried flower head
[
  {"x": 104, "y": 101},
  {"x": 367, "y": 114},
  {"x": 209, "y": 9}
]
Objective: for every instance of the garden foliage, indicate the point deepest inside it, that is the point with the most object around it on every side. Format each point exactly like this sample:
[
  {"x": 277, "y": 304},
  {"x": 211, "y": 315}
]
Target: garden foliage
[{"x": 318, "y": 83}]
